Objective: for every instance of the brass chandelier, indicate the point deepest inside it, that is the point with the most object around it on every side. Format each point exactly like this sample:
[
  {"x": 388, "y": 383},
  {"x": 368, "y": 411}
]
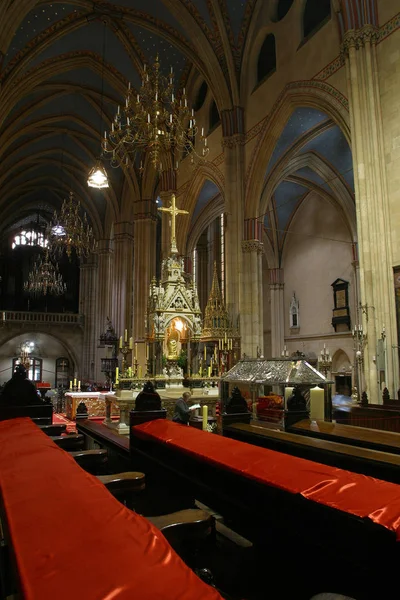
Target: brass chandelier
[
  {"x": 155, "y": 121},
  {"x": 69, "y": 231},
  {"x": 44, "y": 278}
]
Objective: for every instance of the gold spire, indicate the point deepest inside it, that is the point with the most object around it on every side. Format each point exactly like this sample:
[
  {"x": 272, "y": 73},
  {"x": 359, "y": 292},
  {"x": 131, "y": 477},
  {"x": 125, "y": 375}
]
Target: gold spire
[{"x": 216, "y": 318}]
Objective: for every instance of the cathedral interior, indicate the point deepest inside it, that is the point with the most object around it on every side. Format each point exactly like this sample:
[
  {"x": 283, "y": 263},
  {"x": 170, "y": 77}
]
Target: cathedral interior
[{"x": 191, "y": 185}]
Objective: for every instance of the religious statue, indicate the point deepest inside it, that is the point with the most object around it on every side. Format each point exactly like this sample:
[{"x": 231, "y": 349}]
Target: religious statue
[{"x": 173, "y": 343}]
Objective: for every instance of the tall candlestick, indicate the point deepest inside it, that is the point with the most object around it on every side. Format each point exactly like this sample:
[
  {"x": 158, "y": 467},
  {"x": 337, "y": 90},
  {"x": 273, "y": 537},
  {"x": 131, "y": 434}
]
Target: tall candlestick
[
  {"x": 126, "y": 335},
  {"x": 317, "y": 404},
  {"x": 130, "y": 343},
  {"x": 205, "y": 417},
  {"x": 120, "y": 342},
  {"x": 116, "y": 375}
]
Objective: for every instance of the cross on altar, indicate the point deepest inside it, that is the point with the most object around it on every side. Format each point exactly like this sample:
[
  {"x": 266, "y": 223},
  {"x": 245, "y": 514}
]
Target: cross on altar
[{"x": 173, "y": 211}]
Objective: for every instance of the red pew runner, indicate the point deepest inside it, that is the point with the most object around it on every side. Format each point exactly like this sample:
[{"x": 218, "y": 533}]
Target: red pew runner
[
  {"x": 70, "y": 536},
  {"x": 359, "y": 495}
]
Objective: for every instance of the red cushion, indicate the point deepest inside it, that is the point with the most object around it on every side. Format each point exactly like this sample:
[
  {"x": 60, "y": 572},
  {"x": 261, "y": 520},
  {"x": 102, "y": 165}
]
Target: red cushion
[
  {"x": 353, "y": 493},
  {"x": 106, "y": 551}
]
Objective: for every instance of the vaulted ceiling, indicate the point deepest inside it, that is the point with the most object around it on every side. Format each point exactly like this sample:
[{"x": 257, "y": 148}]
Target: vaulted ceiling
[{"x": 66, "y": 65}]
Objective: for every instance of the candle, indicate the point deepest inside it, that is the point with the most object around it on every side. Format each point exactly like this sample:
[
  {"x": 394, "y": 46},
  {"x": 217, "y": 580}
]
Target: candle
[
  {"x": 140, "y": 371},
  {"x": 209, "y": 371},
  {"x": 120, "y": 342},
  {"x": 205, "y": 352},
  {"x": 288, "y": 393},
  {"x": 147, "y": 352},
  {"x": 205, "y": 417},
  {"x": 79, "y": 385},
  {"x": 126, "y": 335},
  {"x": 130, "y": 343},
  {"x": 74, "y": 382},
  {"x": 116, "y": 375},
  {"x": 70, "y": 385},
  {"x": 317, "y": 404},
  {"x": 135, "y": 350},
  {"x": 215, "y": 351}
]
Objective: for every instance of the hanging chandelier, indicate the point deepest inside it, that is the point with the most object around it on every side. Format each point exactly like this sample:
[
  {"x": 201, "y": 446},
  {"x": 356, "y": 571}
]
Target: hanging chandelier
[
  {"x": 45, "y": 279},
  {"x": 68, "y": 231},
  {"x": 97, "y": 177},
  {"x": 157, "y": 122}
]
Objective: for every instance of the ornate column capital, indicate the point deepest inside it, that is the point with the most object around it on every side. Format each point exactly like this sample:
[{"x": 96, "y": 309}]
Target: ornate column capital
[
  {"x": 250, "y": 246},
  {"x": 357, "y": 38},
  {"x": 145, "y": 210},
  {"x": 276, "y": 280}
]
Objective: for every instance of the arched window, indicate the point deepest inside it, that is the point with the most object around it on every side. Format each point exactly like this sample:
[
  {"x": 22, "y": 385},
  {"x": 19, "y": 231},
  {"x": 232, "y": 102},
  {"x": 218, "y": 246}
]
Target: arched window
[
  {"x": 201, "y": 96},
  {"x": 316, "y": 13},
  {"x": 283, "y": 8},
  {"x": 267, "y": 58},
  {"x": 214, "y": 115}
]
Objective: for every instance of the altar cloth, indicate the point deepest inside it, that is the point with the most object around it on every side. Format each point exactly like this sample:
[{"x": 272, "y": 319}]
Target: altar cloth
[
  {"x": 353, "y": 493},
  {"x": 69, "y": 535}
]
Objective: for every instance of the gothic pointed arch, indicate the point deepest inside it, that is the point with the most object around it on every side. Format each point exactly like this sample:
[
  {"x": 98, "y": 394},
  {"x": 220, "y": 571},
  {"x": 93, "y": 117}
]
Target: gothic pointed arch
[{"x": 314, "y": 94}]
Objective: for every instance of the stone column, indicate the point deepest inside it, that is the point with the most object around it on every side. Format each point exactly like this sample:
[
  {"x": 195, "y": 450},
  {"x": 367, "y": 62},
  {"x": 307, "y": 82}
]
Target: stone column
[
  {"x": 251, "y": 321},
  {"x": 377, "y": 305},
  {"x": 276, "y": 285},
  {"x": 87, "y": 370},
  {"x": 104, "y": 284},
  {"x": 203, "y": 283},
  {"x": 233, "y": 146},
  {"x": 122, "y": 277},
  {"x": 144, "y": 268}
]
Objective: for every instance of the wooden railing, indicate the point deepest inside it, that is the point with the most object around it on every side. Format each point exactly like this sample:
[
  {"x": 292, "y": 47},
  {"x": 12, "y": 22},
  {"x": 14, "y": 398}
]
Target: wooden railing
[{"x": 16, "y": 316}]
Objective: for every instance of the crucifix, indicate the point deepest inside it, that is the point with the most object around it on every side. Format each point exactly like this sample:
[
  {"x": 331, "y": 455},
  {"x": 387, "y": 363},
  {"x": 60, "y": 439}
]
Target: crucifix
[{"x": 173, "y": 211}]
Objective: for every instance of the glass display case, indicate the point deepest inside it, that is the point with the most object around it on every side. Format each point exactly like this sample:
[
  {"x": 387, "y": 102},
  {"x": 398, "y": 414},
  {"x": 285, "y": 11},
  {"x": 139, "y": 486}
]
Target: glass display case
[{"x": 269, "y": 383}]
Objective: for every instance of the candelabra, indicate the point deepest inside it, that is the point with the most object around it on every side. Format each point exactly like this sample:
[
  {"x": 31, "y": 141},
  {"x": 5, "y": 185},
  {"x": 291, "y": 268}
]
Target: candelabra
[
  {"x": 325, "y": 361},
  {"x": 125, "y": 348},
  {"x": 359, "y": 342}
]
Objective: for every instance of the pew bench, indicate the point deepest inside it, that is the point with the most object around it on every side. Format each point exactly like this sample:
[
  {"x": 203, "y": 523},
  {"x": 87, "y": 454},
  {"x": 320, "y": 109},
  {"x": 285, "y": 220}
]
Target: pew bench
[
  {"x": 140, "y": 563},
  {"x": 304, "y": 518},
  {"x": 375, "y": 439},
  {"x": 41, "y": 414},
  {"x": 382, "y": 465},
  {"x": 54, "y": 430},
  {"x": 71, "y": 441},
  {"x": 92, "y": 461}
]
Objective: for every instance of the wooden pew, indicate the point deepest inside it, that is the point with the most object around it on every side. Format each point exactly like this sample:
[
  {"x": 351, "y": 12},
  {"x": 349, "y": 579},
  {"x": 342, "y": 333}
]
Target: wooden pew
[
  {"x": 140, "y": 562},
  {"x": 382, "y": 465},
  {"x": 71, "y": 441},
  {"x": 42, "y": 414},
  {"x": 54, "y": 429},
  {"x": 383, "y": 441},
  {"x": 306, "y": 520},
  {"x": 92, "y": 461}
]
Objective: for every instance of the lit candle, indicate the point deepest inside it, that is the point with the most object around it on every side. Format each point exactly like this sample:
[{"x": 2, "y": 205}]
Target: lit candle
[
  {"x": 74, "y": 382},
  {"x": 120, "y": 342},
  {"x": 79, "y": 385},
  {"x": 317, "y": 404},
  {"x": 126, "y": 335},
  {"x": 205, "y": 417},
  {"x": 130, "y": 343},
  {"x": 209, "y": 371},
  {"x": 70, "y": 385},
  {"x": 116, "y": 375}
]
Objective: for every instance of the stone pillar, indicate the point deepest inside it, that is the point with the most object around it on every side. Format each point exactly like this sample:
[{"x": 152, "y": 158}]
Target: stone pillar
[
  {"x": 104, "y": 284},
  {"x": 251, "y": 319},
  {"x": 377, "y": 305},
  {"x": 203, "y": 283},
  {"x": 88, "y": 289},
  {"x": 145, "y": 231},
  {"x": 122, "y": 277},
  {"x": 233, "y": 146},
  {"x": 276, "y": 285}
]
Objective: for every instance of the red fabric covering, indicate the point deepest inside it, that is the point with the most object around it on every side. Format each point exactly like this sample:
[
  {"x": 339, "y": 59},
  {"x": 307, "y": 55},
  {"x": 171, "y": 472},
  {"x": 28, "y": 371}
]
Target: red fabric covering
[
  {"x": 349, "y": 492},
  {"x": 70, "y": 536}
]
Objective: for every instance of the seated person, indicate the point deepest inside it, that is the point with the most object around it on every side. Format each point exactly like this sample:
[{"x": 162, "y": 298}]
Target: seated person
[
  {"x": 20, "y": 391},
  {"x": 183, "y": 410}
]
